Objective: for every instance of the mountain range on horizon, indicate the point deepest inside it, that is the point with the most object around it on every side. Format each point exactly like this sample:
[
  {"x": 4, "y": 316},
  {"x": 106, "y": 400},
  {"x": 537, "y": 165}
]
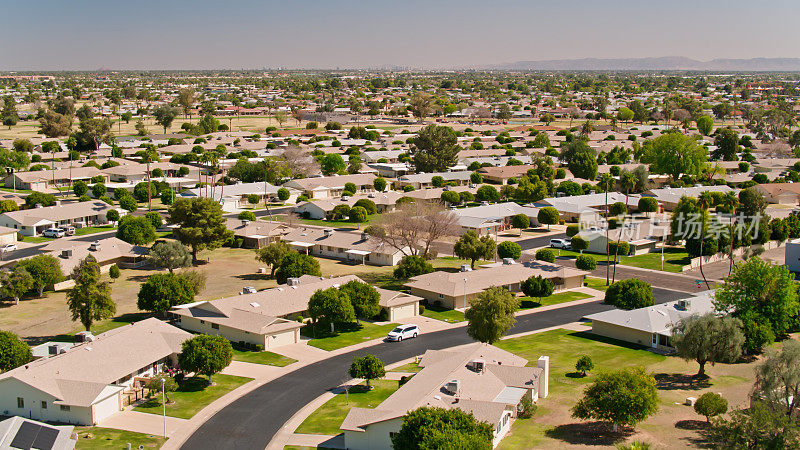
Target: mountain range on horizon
[{"x": 666, "y": 63}]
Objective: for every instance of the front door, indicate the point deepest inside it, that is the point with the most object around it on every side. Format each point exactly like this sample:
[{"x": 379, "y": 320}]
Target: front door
[{"x": 654, "y": 341}]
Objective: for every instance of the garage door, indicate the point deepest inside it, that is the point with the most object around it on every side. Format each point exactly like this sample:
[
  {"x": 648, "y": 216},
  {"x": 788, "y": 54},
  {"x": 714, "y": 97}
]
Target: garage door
[
  {"x": 404, "y": 312},
  {"x": 279, "y": 339}
]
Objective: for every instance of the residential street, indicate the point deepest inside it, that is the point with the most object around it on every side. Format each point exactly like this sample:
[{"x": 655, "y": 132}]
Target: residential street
[{"x": 251, "y": 421}]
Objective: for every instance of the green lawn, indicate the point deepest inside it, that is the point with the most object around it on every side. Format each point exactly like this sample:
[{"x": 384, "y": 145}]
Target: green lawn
[
  {"x": 266, "y": 358},
  {"x": 91, "y": 230},
  {"x": 345, "y": 334},
  {"x": 443, "y": 314},
  {"x": 410, "y": 367},
  {"x": 328, "y": 418},
  {"x": 163, "y": 234},
  {"x": 596, "y": 283},
  {"x": 104, "y": 325},
  {"x": 561, "y": 297},
  {"x": 674, "y": 259},
  {"x": 90, "y": 438},
  {"x": 193, "y": 395},
  {"x": 36, "y": 239}
]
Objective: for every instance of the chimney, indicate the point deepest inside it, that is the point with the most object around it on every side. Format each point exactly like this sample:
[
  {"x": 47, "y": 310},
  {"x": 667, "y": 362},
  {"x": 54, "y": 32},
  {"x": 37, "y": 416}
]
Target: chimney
[{"x": 544, "y": 364}]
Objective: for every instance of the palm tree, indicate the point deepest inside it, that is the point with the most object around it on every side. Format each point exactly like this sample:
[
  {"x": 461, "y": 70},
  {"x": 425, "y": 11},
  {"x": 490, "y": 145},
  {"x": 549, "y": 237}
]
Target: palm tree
[
  {"x": 606, "y": 183},
  {"x": 731, "y": 202},
  {"x": 627, "y": 181},
  {"x": 704, "y": 201}
]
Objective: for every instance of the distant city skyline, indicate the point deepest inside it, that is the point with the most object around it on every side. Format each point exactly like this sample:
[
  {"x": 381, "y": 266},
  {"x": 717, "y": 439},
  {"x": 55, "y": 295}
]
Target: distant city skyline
[{"x": 249, "y": 34}]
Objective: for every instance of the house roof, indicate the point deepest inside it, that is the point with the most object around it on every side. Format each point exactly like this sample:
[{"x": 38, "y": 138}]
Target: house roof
[
  {"x": 673, "y": 195},
  {"x": 79, "y": 375},
  {"x": 335, "y": 182},
  {"x": 462, "y": 175},
  {"x": 350, "y": 240},
  {"x": 477, "y": 391},
  {"x": 56, "y": 213},
  {"x": 103, "y": 250},
  {"x": 658, "y": 318},
  {"x": 478, "y": 215}
]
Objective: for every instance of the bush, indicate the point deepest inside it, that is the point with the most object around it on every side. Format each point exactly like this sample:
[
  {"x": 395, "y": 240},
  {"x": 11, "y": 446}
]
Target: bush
[
  {"x": 421, "y": 309},
  {"x": 508, "y": 249},
  {"x": 630, "y": 294},
  {"x": 624, "y": 248},
  {"x": 585, "y": 262},
  {"x": 578, "y": 243},
  {"x": 546, "y": 254},
  {"x": 155, "y": 219},
  {"x": 710, "y": 404},
  {"x": 114, "y": 272},
  {"x": 246, "y": 215},
  {"x": 584, "y": 364},
  {"x": 528, "y": 408},
  {"x": 573, "y": 229},
  {"x": 358, "y": 214},
  {"x": 411, "y": 266}
]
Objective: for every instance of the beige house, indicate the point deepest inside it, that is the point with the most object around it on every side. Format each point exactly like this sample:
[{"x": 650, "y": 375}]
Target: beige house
[
  {"x": 352, "y": 246},
  {"x": 89, "y": 382},
  {"x": 7, "y": 236},
  {"x": 323, "y": 208},
  {"x": 327, "y": 187},
  {"x": 32, "y": 222},
  {"x": 42, "y": 180},
  {"x": 269, "y": 318},
  {"x": 476, "y": 378},
  {"x": 256, "y": 234},
  {"x": 456, "y": 289},
  {"x": 781, "y": 193}
]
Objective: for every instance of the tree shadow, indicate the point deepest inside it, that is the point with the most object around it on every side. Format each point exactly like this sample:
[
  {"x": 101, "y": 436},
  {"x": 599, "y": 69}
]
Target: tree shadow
[
  {"x": 693, "y": 425},
  {"x": 606, "y": 340},
  {"x": 588, "y": 433},
  {"x": 193, "y": 384},
  {"x": 680, "y": 381},
  {"x": 253, "y": 276},
  {"x": 701, "y": 427},
  {"x": 575, "y": 375}
]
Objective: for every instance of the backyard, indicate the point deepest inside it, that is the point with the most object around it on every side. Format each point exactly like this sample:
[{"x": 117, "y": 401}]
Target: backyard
[{"x": 192, "y": 395}]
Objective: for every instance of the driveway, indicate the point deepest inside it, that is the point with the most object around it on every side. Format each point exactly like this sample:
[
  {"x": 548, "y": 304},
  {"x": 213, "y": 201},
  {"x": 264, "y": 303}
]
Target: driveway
[{"x": 251, "y": 421}]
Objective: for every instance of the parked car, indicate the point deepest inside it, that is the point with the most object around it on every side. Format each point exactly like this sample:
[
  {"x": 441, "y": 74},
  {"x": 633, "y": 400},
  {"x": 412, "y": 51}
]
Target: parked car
[
  {"x": 249, "y": 290},
  {"x": 403, "y": 332},
  {"x": 68, "y": 230},
  {"x": 8, "y": 248},
  {"x": 560, "y": 243},
  {"x": 53, "y": 233}
]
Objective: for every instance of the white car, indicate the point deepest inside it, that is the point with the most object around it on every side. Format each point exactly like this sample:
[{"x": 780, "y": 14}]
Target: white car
[
  {"x": 53, "y": 233},
  {"x": 403, "y": 332},
  {"x": 560, "y": 243},
  {"x": 9, "y": 248}
]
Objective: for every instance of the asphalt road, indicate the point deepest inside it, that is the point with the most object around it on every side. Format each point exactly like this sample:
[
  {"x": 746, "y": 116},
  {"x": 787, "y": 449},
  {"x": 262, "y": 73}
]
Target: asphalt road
[
  {"x": 541, "y": 241},
  {"x": 27, "y": 252},
  {"x": 251, "y": 421}
]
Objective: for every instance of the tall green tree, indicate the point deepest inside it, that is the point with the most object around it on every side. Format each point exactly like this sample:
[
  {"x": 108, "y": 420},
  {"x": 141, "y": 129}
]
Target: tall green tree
[
  {"x": 708, "y": 338},
  {"x": 440, "y": 428},
  {"x": 162, "y": 291},
  {"x": 295, "y": 265},
  {"x": 675, "y": 154},
  {"x": 778, "y": 379},
  {"x": 622, "y": 397},
  {"x": 473, "y": 248},
  {"x": 272, "y": 254},
  {"x": 363, "y": 297},
  {"x": 491, "y": 314},
  {"x": 205, "y": 355},
  {"x": 90, "y": 299},
  {"x": 45, "y": 271},
  {"x": 136, "y": 230},
  {"x": 13, "y": 352},
  {"x": 16, "y": 283},
  {"x": 201, "y": 224},
  {"x": 165, "y": 115},
  {"x": 434, "y": 149},
  {"x": 331, "y": 306},
  {"x": 169, "y": 255}
]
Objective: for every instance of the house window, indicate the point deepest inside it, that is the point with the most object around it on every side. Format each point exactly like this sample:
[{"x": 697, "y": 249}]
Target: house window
[
  {"x": 202, "y": 322},
  {"x": 215, "y": 326},
  {"x": 20, "y": 402},
  {"x": 441, "y": 295},
  {"x": 64, "y": 407},
  {"x": 44, "y": 404}
]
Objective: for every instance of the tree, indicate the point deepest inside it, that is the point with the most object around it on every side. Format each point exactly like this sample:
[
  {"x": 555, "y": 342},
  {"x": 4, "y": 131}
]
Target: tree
[
  {"x": 411, "y": 266},
  {"x": 202, "y": 225},
  {"x": 112, "y": 215},
  {"x": 155, "y": 219},
  {"x": 332, "y": 163},
  {"x": 584, "y": 364},
  {"x": 79, "y": 188},
  {"x": 162, "y": 291},
  {"x": 450, "y": 197},
  {"x": 487, "y": 193},
  {"x": 45, "y": 271},
  {"x": 537, "y": 286},
  {"x": 379, "y": 184},
  {"x": 763, "y": 296},
  {"x": 164, "y": 115},
  {"x": 53, "y": 124},
  {"x": 508, "y": 249},
  {"x": 675, "y": 154},
  {"x": 647, "y": 205},
  {"x": 708, "y": 338},
  {"x": 751, "y": 202},
  {"x": 368, "y": 367},
  {"x": 622, "y": 397},
  {"x": 13, "y": 352},
  {"x": 170, "y": 255},
  {"x": 437, "y": 428},
  {"x": 520, "y": 221},
  {"x": 578, "y": 243},
  {"x": 136, "y": 230},
  {"x": 756, "y": 427},
  {"x": 704, "y": 125},
  {"x": 128, "y": 203},
  {"x": 272, "y": 254},
  {"x": 94, "y": 131},
  {"x": 546, "y": 254},
  {"x": 412, "y": 228},
  {"x": 629, "y": 294},
  {"x": 246, "y": 215},
  {"x": 624, "y": 114},
  {"x": 295, "y": 265},
  {"x": 710, "y": 405},
  {"x": 99, "y": 190},
  {"x": 778, "y": 379},
  {"x": 363, "y": 297},
  {"x": 727, "y": 143},
  {"x": 473, "y": 248},
  {"x": 358, "y": 214},
  {"x": 155, "y": 385},
  {"x": 9, "y": 115},
  {"x": 434, "y": 149},
  {"x": 585, "y": 262},
  {"x": 114, "y": 272},
  {"x": 491, "y": 314},
  {"x": 205, "y": 355},
  {"x": 90, "y": 299},
  {"x": 548, "y": 216},
  {"x": 16, "y": 283},
  {"x": 420, "y": 104},
  {"x": 283, "y": 194},
  {"x": 331, "y": 306}
]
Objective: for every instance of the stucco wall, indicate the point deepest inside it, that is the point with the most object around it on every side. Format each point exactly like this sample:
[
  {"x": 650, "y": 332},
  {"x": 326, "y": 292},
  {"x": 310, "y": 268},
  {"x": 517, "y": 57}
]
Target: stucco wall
[
  {"x": 622, "y": 333},
  {"x": 11, "y": 388},
  {"x": 376, "y": 437}
]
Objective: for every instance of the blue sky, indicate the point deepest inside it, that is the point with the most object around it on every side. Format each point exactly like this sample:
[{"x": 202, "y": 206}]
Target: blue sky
[{"x": 234, "y": 34}]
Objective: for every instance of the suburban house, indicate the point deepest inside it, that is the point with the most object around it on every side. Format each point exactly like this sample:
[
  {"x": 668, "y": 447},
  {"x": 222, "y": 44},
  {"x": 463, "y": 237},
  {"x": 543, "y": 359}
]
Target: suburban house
[
  {"x": 781, "y": 193},
  {"x": 669, "y": 197},
  {"x": 132, "y": 172},
  {"x": 501, "y": 175},
  {"x": 256, "y": 234},
  {"x": 232, "y": 196},
  {"x": 41, "y": 180},
  {"x": 425, "y": 180},
  {"x": 20, "y": 433},
  {"x": 87, "y": 383},
  {"x": 493, "y": 218},
  {"x": 641, "y": 235},
  {"x": 323, "y": 208},
  {"x": 268, "y": 318},
  {"x": 650, "y": 326},
  {"x": 587, "y": 207},
  {"x": 476, "y": 378},
  {"x": 435, "y": 194},
  {"x": 7, "y": 236},
  {"x": 31, "y": 222},
  {"x": 107, "y": 252},
  {"x": 456, "y": 289},
  {"x": 352, "y": 246},
  {"x": 333, "y": 186}
]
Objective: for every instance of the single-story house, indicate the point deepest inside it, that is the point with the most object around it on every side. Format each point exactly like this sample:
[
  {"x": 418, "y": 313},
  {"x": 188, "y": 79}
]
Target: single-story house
[
  {"x": 354, "y": 246},
  {"x": 456, "y": 289},
  {"x": 31, "y": 222},
  {"x": 323, "y": 208},
  {"x": 7, "y": 236},
  {"x": 501, "y": 175},
  {"x": 476, "y": 378},
  {"x": 669, "y": 197},
  {"x": 257, "y": 234},
  {"x": 587, "y": 207},
  {"x": 424, "y": 180},
  {"x": 107, "y": 252},
  {"x": 641, "y": 235},
  {"x": 493, "y": 218},
  {"x": 234, "y": 195},
  {"x": 650, "y": 326},
  {"x": 133, "y": 172},
  {"x": 90, "y": 382},
  {"x": 782, "y": 193},
  {"x": 41, "y": 180},
  {"x": 333, "y": 186}
]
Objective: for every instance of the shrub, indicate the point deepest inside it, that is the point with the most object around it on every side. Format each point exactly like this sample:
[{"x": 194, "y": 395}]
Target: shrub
[
  {"x": 508, "y": 249},
  {"x": 710, "y": 404},
  {"x": 630, "y": 294},
  {"x": 624, "y": 248},
  {"x": 573, "y": 229},
  {"x": 584, "y": 364},
  {"x": 546, "y": 254},
  {"x": 585, "y": 262},
  {"x": 246, "y": 215},
  {"x": 411, "y": 266}
]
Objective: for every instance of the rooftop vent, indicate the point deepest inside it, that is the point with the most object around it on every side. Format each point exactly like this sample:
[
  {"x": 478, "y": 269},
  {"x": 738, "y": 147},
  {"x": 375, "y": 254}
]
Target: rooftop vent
[
  {"x": 466, "y": 268},
  {"x": 684, "y": 304},
  {"x": 477, "y": 365},
  {"x": 293, "y": 281},
  {"x": 245, "y": 222},
  {"x": 94, "y": 246},
  {"x": 452, "y": 387},
  {"x": 328, "y": 232},
  {"x": 66, "y": 253}
]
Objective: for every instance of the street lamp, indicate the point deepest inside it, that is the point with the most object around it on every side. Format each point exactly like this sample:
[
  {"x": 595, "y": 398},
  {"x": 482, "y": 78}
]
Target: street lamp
[
  {"x": 465, "y": 292},
  {"x": 164, "y": 405}
]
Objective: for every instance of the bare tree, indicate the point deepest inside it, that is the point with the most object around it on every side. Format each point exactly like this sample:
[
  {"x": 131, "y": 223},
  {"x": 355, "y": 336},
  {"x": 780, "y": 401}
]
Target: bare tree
[
  {"x": 300, "y": 162},
  {"x": 412, "y": 228}
]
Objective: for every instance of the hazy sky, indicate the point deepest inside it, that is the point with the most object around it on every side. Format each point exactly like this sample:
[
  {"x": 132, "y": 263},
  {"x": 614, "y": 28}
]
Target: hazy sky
[{"x": 234, "y": 34}]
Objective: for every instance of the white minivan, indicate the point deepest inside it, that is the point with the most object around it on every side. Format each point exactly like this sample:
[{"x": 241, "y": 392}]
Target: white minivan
[{"x": 403, "y": 332}]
